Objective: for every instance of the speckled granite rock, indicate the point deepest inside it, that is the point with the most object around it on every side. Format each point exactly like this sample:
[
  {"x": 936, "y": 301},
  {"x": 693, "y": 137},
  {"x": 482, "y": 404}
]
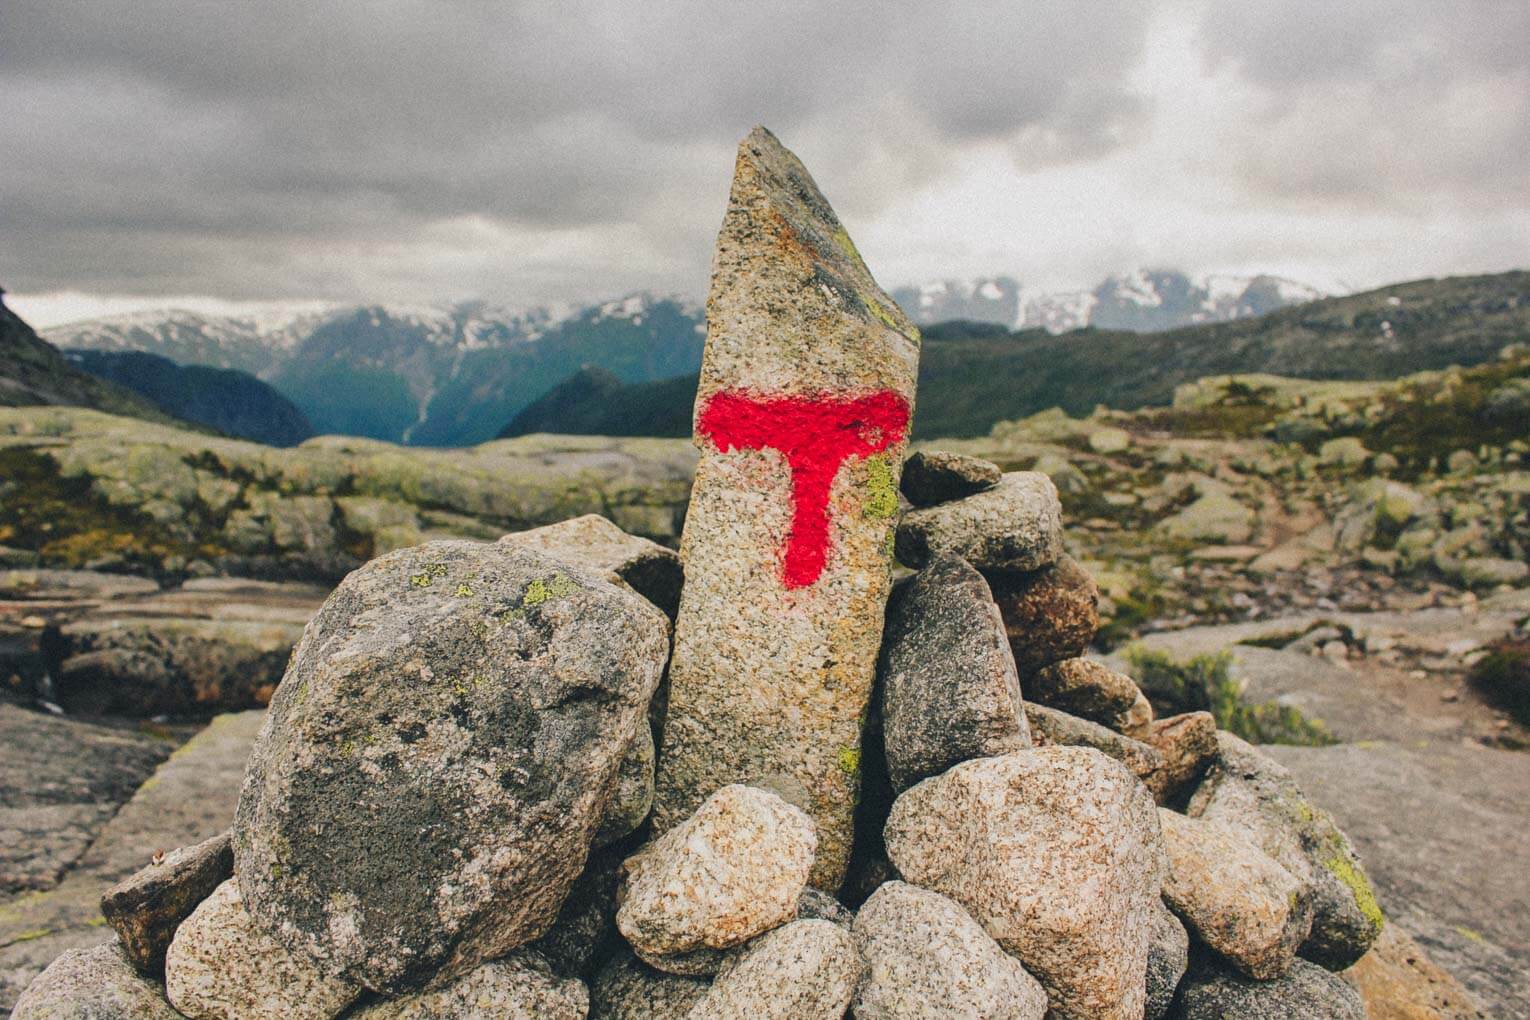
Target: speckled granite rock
[
  {"x": 927, "y": 957},
  {"x": 1188, "y": 744},
  {"x": 629, "y": 989},
  {"x": 806, "y": 970},
  {"x": 1233, "y": 896},
  {"x": 1014, "y": 526},
  {"x": 221, "y": 966},
  {"x": 93, "y": 984},
  {"x": 1052, "y": 728},
  {"x": 1211, "y": 992},
  {"x": 146, "y": 908},
  {"x": 633, "y": 797},
  {"x": 1055, "y": 851},
  {"x": 949, "y": 690},
  {"x": 1168, "y": 957},
  {"x": 585, "y": 929},
  {"x": 1050, "y": 614},
  {"x": 1258, "y": 797},
  {"x": 1093, "y": 691},
  {"x": 934, "y": 476},
  {"x": 786, "y": 581},
  {"x": 652, "y": 570},
  {"x": 438, "y": 757},
  {"x": 734, "y": 869},
  {"x": 517, "y": 986}
]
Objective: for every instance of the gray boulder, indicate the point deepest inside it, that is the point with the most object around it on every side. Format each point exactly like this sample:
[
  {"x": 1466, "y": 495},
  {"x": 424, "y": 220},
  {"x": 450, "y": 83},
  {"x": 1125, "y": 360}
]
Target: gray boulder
[
  {"x": 629, "y": 989},
  {"x": 1093, "y": 691},
  {"x": 586, "y": 924},
  {"x": 1213, "y": 992},
  {"x": 633, "y": 797},
  {"x": 1258, "y": 798},
  {"x": 1055, "y": 852},
  {"x": 1168, "y": 957},
  {"x": 934, "y": 476},
  {"x": 146, "y": 908},
  {"x": 438, "y": 758},
  {"x": 1051, "y": 728},
  {"x": 1016, "y": 525},
  {"x": 949, "y": 690},
  {"x": 520, "y": 986},
  {"x": 652, "y": 570},
  {"x": 806, "y": 970},
  {"x": 927, "y": 957},
  {"x": 93, "y": 984}
]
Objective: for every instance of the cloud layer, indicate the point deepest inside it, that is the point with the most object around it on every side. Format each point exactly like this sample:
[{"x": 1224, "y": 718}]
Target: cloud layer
[{"x": 521, "y": 151}]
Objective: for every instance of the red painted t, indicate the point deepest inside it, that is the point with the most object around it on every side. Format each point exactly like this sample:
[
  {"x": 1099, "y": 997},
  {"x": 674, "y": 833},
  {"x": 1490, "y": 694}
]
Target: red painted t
[{"x": 815, "y": 435}]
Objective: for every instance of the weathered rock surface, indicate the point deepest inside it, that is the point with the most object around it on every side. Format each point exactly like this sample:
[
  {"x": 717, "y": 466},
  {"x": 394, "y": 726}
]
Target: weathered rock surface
[
  {"x": 1258, "y": 798},
  {"x": 652, "y": 570},
  {"x": 1051, "y": 728},
  {"x": 629, "y": 989},
  {"x": 934, "y": 476},
  {"x": 146, "y": 908},
  {"x": 1233, "y": 896},
  {"x": 520, "y": 985},
  {"x": 927, "y": 957},
  {"x": 93, "y": 984},
  {"x": 60, "y": 781},
  {"x": 734, "y": 869},
  {"x": 1188, "y": 744},
  {"x": 222, "y": 966},
  {"x": 949, "y": 690},
  {"x": 1168, "y": 958},
  {"x": 1055, "y": 851},
  {"x": 1050, "y": 614},
  {"x": 1093, "y": 691},
  {"x": 633, "y": 797},
  {"x": 1398, "y": 981},
  {"x": 1014, "y": 526},
  {"x": 806, "y": 390},
  {"x": 806, "y": 970},
  {"x": 1209, "y": 992},
  {"x": 439, "y": 756},
  {"x": 586, "y": 925}
]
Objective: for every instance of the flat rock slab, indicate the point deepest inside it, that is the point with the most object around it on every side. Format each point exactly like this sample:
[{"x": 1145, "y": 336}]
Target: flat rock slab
[
  {"x": 803, "y": 408},
  {"x": 1442, "y": 830},
  {"x": 61, "y": 780},
  {"x": 188, "y": 799}
]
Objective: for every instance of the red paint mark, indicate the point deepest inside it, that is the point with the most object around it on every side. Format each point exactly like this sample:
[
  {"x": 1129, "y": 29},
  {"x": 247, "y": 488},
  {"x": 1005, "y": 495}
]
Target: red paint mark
[{"x": 816, "y": 435}]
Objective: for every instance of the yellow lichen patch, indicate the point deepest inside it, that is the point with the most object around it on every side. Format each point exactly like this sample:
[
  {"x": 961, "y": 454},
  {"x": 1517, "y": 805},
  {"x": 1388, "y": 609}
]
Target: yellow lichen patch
[
  {"x": 1340, "y": 867},
  {"x": 429, "y": 576},
  {"x": 849, "y": 760},
  {"x": 882, "y": 491},
  {"x": 540, "y": 591},
  {"x": 463, "y": 591}
]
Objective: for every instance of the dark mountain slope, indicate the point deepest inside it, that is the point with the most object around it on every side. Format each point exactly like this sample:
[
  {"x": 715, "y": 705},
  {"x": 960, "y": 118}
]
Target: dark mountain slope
[
  {"x": 231, "y": 401},
  {"x": 594, "y": 402}
]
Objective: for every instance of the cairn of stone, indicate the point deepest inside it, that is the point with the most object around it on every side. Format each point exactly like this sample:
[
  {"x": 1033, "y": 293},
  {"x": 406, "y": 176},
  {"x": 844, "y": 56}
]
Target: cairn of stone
[{"x": 488, "y": 787}]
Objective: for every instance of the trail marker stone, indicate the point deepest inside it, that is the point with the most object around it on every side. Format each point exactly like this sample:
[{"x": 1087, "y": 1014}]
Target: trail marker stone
[{"x": 802, "y": 418}]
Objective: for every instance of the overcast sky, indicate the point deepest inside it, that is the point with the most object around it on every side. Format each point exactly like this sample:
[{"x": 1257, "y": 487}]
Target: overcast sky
[{"x": 176, "y": 151}]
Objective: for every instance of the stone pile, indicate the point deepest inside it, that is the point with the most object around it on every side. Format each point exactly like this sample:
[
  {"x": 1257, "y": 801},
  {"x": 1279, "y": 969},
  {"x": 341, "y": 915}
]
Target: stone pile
[{"x": 485, "y": 787}]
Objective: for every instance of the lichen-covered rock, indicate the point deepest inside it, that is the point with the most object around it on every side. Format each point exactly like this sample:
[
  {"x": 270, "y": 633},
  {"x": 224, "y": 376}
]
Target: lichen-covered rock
[
  {"x": 1188, "y": 744},
  {"x": 1049, "y": 614},
  {"x": 586, "y": 925},
  {"x": 222, "y": 966},
  {"x": 817, "y": 905},
  {"x": 146, "y": 908},
  {"x": 652, "y": 570},
  {"x": 927, "y": 957},
  {"x": 1055, "y": 852},
  {"x": 629, "y": 989},
  {"x": 1093, "y": 691},
  {"x": 949, "y": 690},
  {"x": 1233, "y": 896},
  {"x": 803, "y": 405},
  {"x": 1014, "y": 526},
  {"x": 1258, "y": 797},
  {"x": 439, "y": 756},
  {"x": 1212, "y": 992},
  {"x": 734, "y": 869},
  {"x": 520, "y": 986},
  {"x": 93, "y": 984},
  {"x": 1168, "y": 958},
  {"x": 806, "y": 970},
  {"x": 633, "y": 797},
  {"x": 934, "y": 476},
  {"x": 1051, "y": 728}
]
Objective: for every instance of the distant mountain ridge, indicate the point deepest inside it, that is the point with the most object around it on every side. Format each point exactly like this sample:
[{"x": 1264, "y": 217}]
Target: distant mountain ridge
[
  {"x": 973, "y": 374},
  {"x": 1144, "y": 301},
  {"x": 432, "y": 375}
]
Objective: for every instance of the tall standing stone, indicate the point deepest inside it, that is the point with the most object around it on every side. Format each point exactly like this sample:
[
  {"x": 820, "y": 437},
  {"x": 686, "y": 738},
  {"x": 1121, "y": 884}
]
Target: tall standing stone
[{"x": 802, "y": 416}]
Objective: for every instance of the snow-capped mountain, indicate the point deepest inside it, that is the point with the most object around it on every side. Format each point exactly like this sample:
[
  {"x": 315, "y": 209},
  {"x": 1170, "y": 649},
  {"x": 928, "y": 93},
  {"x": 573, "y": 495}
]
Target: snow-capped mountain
[
  {"x": 430, "y": 374},
  {"x": 1139, "y": 301}
]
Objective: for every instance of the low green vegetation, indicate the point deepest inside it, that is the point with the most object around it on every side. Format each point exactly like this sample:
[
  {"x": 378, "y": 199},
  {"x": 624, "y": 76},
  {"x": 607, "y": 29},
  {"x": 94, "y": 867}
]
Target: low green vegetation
[
  {"x": 1503, "y": 678},
  {"x": 1204, "y": 684}
]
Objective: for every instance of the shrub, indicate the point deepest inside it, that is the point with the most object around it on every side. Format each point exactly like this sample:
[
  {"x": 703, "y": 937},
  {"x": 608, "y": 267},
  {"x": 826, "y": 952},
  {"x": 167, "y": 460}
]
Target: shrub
[
  {"x": 1203, "y": 683},
  {"x": 1503, "y": 677}
]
